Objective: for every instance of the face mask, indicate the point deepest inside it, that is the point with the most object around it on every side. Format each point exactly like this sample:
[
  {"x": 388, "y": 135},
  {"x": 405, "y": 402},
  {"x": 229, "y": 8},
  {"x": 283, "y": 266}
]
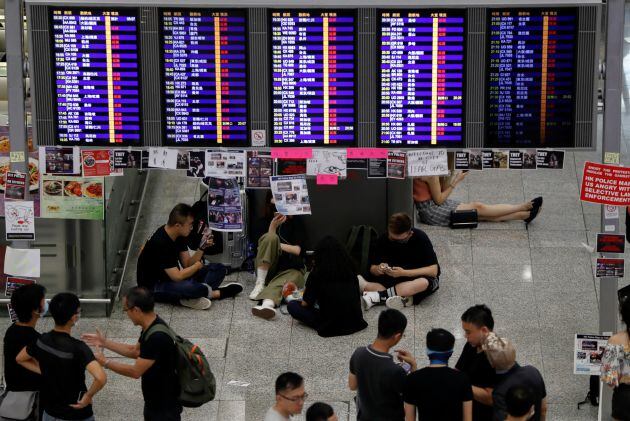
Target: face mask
[
  {"x": 76, "y": 324},
  {"x": 45, "y": 310}
]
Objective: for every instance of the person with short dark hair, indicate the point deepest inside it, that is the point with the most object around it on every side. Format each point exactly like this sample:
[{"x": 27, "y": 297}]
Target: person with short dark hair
[
  {"x": 332, "y": 300},
  {"x": 29, "y": 304},
  {"x": 62, "y": 361},
  {"x": 376, "y": 377},
  {"x": 438, "y": 392},
  {"x": 320, "y": 411},
  {"x": 166, "y": 267},
  {"x": 290, "y": 397},
  {"x": 477, "y": 323},
  {"x": 154, "y": 357},
  {"x": 403, "y": 266},
  {"x": 519, "y": 402},
  {"x": 502, "y": 356}
]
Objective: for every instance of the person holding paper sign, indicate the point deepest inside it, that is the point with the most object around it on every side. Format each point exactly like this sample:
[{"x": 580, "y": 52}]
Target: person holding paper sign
[{"x": 431, "y": 195}]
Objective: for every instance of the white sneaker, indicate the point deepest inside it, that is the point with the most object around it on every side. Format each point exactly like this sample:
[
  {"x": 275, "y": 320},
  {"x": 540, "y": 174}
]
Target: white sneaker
[
  {"x": 397, "y": 302},
  {"x": 197, "y": 303},
  {"x": 264, "y": 312},
  {"x": 370, "y": 299},
  {"x": 362, "y": 283},
  {"x": 257, "y": 290}
]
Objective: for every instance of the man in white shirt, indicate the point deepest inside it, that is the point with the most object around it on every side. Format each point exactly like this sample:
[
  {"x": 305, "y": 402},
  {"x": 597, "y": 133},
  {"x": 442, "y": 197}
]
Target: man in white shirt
[{"x": 290, "y": 397}]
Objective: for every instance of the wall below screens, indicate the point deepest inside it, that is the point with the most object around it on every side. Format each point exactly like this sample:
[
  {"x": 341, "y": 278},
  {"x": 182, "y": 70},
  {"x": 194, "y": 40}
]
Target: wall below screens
[{"x": 493, "y": 77}]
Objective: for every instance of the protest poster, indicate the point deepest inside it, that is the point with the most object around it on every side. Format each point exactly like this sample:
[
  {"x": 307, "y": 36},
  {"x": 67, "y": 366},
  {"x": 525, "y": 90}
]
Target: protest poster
[
  {"x": 291, "y": 194},
  {"x": 14, "y": 283},
  {"x": 224, "y": 205},
  {"x": 15, "y": 186},
  {"x": 468, "y": 160},
  {"x": 182, "y": 160},
  {"x": 259, "y": 169},
  {"x": 96, "y": 162},
  {"x": 609, "y": 268},
  {"x": 611, "y": 243},
  {"x": 225, "y": 163},
  {"x": 196, "y": 164},
  {"x": 73, "y": 197},
  {"x": 124, "y": 158},
  {"x": 605, "y": 184},
  {"x": 377, "y": 168},
  {"x": 396, "y": 165},
  {"x": 327, "y": 161},
  {"x": 356, "y": 164},
  {"x": 19, "y": 220},
  {"x": 59, "y": 160},
  {"x": 165, "y": 158},
  {"x": 427, "y": 162},
  {"x": 587, "y": 354},
  {"x": 290, "y": 166},
  {"x": 524, "y": 159},
  {"x": 551, "y": 159},
  {"x": 12, "y": 314}
]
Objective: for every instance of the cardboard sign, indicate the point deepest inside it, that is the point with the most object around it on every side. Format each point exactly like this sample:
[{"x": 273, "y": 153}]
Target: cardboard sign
[
  {"x": 96, "y": 162},
  {"x": 611, "y": 243},
  {"x": 605, "y": 184}
]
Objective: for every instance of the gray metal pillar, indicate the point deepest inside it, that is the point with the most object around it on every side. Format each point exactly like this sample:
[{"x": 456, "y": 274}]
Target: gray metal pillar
[{"x": 611, "y": 143}]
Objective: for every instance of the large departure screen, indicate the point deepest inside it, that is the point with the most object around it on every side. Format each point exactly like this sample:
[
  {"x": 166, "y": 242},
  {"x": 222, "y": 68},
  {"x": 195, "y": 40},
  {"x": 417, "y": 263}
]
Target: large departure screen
[
  {"x": 313, "y": 77},
  {"x": 531, "y": 77},
  {"x": 204, "y": 80},
  {"x": 422, "y": 73},
  {"x": 97, "y": 83}
]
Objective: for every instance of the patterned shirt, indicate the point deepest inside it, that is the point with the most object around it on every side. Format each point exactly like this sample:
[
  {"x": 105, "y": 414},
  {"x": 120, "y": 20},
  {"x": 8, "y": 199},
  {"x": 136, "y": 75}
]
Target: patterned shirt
[{"x": 616, "y": 365}]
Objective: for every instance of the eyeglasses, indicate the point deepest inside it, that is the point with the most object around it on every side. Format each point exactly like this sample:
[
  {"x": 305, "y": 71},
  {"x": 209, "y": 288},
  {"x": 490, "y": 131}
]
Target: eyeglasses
[{"x": 296, "y": 398}]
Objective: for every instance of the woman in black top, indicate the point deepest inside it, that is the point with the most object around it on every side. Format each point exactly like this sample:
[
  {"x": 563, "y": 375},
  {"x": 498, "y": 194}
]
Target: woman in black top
[
  {"x": 29, "y": 305},
  {"x": 332, "y": 299}
]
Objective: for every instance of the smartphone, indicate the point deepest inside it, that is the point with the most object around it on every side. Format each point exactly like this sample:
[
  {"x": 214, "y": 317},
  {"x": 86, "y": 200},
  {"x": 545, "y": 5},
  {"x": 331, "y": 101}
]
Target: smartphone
[{"x": 405, "y": 366}]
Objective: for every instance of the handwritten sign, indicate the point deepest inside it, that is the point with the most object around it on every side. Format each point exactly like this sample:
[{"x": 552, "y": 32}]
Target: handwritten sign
[
  {"x": 291, "y": 153},
  {"x": 366, "y": 153},
  {"x": 327, "y": 179},
  {"x": 426, "y": 162}
]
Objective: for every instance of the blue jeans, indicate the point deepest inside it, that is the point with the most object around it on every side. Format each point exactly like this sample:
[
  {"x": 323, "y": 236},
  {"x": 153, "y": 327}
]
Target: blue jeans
[
  {"x": 47, "y": 417},
  {"x": 195, "y": 287},
  {"x": 307, "y": 315}
]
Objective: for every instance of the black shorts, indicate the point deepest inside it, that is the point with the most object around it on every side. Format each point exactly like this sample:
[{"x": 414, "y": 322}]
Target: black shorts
[
  {"x": 621, "y": 402},
  {"x": 388, "y": 282}
]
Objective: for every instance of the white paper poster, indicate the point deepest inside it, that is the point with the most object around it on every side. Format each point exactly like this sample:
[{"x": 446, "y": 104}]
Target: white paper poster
[
  {"x": 587, "y": 356},
  {"x": 329, "y": 161},
  {"x": 22, "y": 262},
  {"x": 163, "y": 158},
  {"x": 425, "y": 162},
  {"x": 291, "y": 194},
  {"x": 20, "y": 220},
  {"x": 225, "y": 163}
]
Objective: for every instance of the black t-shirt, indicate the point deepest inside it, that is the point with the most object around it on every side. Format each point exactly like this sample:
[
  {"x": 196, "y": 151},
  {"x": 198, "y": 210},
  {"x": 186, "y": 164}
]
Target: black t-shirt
[
  {"x": 481, "y": 374},
  {"x": 527, "y": 376},
  {"x": 438, "y": 393},
  {"x": 160, "y": 384},
  {"x": 414, "y": 254},
  {"x": 158, "y": 254},
  {"x": 62, "y": 360},
  {"x": 18, "y": 378},
  {"x": 380, "y": 384}
]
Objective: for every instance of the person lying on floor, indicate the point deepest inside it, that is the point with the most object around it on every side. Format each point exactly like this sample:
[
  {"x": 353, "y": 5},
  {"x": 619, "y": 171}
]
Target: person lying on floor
[
  {"x": 403, "y": 266},
  {"x": 166, "y": 267},
  {"x": 279, "y": 261},
  {"x": 332, "y": 300}
]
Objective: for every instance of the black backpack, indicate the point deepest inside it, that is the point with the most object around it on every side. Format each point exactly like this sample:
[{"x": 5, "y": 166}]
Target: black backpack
[
  {"x": 200, "y": 212},
  {"x": 359, "y": 244}
]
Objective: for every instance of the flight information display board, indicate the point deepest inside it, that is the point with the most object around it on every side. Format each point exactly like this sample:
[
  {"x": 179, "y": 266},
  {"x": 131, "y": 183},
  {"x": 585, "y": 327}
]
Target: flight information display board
[
  {"x": 204, "y": 77},
  {"x": 531, "y": 77},
  {"x": 313, "y": 77},
  {"x": 422, "y": 73},
  {"x": 96, "y": 71}
]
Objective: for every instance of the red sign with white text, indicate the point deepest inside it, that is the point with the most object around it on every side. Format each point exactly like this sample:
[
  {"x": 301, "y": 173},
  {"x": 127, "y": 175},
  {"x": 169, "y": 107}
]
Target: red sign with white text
[
  {"x": 96, "y": 162},
  {"x": 606, "y": 184}
]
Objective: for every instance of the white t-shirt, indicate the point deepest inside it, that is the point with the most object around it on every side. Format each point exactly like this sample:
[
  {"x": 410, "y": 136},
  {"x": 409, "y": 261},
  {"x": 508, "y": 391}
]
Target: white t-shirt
[{"x": 273, "y": 415}]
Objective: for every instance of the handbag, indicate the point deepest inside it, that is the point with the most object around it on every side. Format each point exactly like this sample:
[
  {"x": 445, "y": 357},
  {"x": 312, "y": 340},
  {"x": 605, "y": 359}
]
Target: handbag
[
  {"x": 463, "y": 219},
  {"x": 22, "y": 406}
]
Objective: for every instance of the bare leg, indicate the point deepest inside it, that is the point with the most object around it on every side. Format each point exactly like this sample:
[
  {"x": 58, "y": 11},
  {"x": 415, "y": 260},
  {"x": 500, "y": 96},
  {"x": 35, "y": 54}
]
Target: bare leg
[
  {"x": 373, "y": 286},
  {"x": 264, "y": 266},
  {"x": 410, "y": 288},
  {"x": 516, "y": 216},
  {"x": 494, "y": 211}
]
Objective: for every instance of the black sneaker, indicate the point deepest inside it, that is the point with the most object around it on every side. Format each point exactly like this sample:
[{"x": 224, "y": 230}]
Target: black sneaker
[{"x": 230, "y": 290}]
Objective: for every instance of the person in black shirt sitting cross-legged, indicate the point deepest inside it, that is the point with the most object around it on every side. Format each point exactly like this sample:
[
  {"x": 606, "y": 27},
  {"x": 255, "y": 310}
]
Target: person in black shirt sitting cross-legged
[
  {"x": 438, "y": 392},
  {"x": 154, "y": 356},
  {"x": 403, "y": 265},
  {"x": 62, "y": 361}
]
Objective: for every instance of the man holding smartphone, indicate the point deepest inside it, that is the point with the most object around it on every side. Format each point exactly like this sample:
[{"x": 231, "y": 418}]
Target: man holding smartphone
[{"x": 173, "y": 274}]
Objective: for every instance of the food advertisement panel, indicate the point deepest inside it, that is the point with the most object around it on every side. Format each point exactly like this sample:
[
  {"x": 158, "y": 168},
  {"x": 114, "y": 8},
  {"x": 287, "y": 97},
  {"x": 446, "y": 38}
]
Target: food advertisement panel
[{"x": 72, "y": 197}]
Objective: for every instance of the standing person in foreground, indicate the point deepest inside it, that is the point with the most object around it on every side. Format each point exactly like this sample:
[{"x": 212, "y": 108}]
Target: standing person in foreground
[
  {"x": 290, "y": 397},
  {"x": 477, "y": 323},
  {"x": 375, "y": 376},
  {"x": 62, "y": 361},
  {"x": 154, "y": 357},
  {"x": 615, "y": 370},
  {"x": 520, "y": 404},
  {"x": 192, "y": 285},
  {"x": 403, "y": 267},
  {"x": 438, "y": 392},
  {"x": 502, "y": 357}
]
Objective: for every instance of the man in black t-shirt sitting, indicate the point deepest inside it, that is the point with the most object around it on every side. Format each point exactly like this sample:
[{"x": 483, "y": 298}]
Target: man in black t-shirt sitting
[
  {"x": 402, "y": 265},
  {"x": 154, "y": 357},
  {"x": 438, "y": 392},
  {"x": 62, "y": 361},
  {"x": 166, "y": 267}
]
